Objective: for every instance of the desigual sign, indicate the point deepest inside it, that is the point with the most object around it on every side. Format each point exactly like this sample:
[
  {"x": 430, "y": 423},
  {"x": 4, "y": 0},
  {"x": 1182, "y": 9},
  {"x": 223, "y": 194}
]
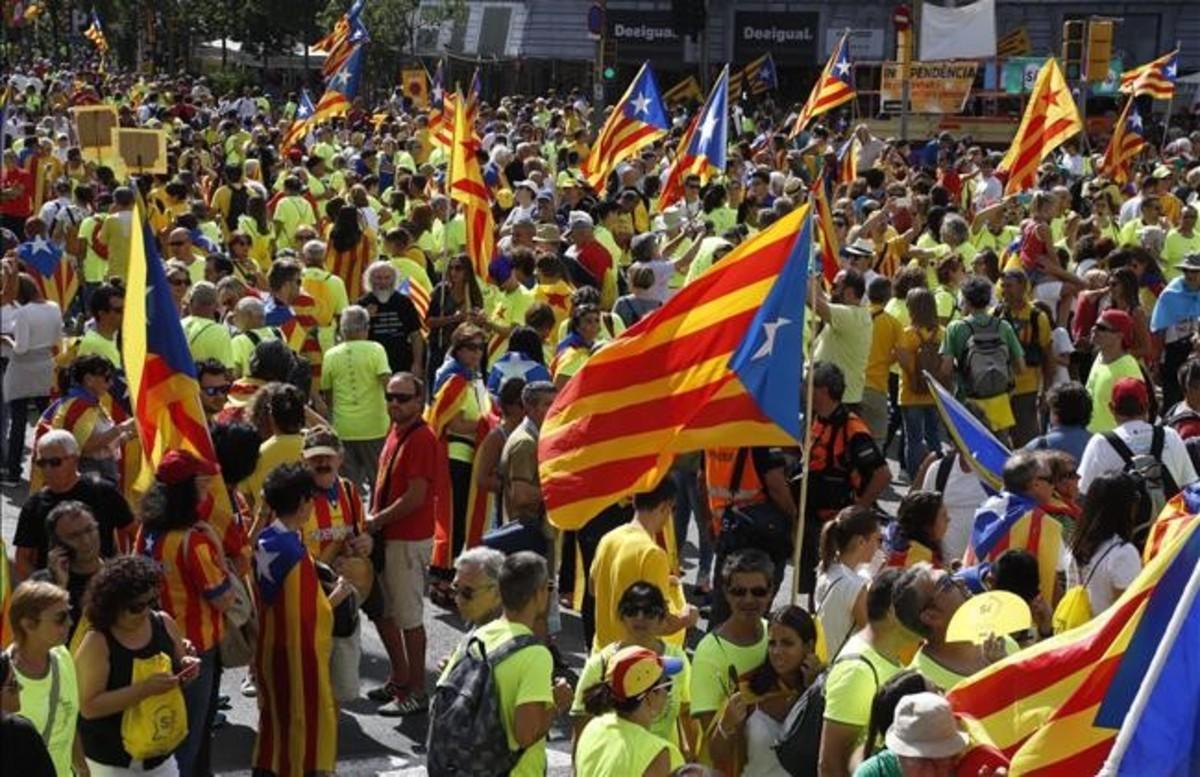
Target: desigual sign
[
  {"x": 791, "y": 38},
  {"x": 642, "y": 35}
]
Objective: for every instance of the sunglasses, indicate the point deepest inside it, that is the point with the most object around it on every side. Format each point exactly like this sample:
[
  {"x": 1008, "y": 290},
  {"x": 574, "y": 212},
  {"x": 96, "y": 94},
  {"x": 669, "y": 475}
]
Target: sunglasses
[
  {"x": 216, "y": 391},
  {"x": 466, "y": 592},
  {"x": 137, "y": 608},
  {"x": 472, "y": 346},
  {"x": 758, "y": 592},
  {"x": 50, "y": 462},
  {"x": 401, "y": 398},
  {"x": 651, "y": 611},
  {"x": 180, "y": 282}
]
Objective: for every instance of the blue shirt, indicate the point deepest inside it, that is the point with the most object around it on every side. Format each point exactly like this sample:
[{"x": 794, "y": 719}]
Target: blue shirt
[
  {"x": 1071, "y": 439},
  {"x": 277, "y": 313}
]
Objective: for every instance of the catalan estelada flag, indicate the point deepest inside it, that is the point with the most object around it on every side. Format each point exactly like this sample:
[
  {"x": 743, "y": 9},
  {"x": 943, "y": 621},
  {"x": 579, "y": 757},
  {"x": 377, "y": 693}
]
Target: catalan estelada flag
[
  {"x": 1014, "y": 43},
  {"x": 757, "y": 77},
  {"x": 341, "y": 89},
  {"x": 974, "y": 441},
  {"x": 704, "y": 152},
  {"x": 1009, "y": 521},
  {"x": 55, "y": 278},
  {"x": 1050, "y": 118},
  {"x": 420, "y": 297},
  {"x": 95, "y": 33},
  {"x": 847, "y": 157},
  {"x": 5, "y": 592},
  {"x": 827, "y": 237},
  {"x": 834, "y": 87},
  {"x": 673, "y": 183},
  {"x": 304, "y": 113},
  {"x": 441, "y": 111},
  {"x": 1127, "y": 141},
  {"x": 466, "y": 186},
  {"x": 637, "y": 120},
  {"x": 903, "y": 552},
  {"x": 297, "y": 716},
  {"x": 687, "y": 89},
  {"x": 718, "y": 365},
  {"x": 1177, "y": 514},
  {"x": 339, "y": 45},
  {"x": 1055, "y": 708},
  {"x": 1156, "y": 78}
]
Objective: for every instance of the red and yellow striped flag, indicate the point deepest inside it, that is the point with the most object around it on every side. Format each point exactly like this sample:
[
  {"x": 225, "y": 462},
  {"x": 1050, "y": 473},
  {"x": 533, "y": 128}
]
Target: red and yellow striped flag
[
  {"x": 636, "y": 121},
  {"x": 718, "y": 365},
  {"x": 826, "y": 233},
  {"x": 1156, "y": 78},
  {"x": 1050, "y": 118},
  {"x": 672, "y": 188},
  {"x": 1177, "y": 515},
  {"x": 834, "y": 87},
  {"x": 467, "y": 187},
  {"x": 1126, "y": 143},
  {"x": 1055, "y": 708}
]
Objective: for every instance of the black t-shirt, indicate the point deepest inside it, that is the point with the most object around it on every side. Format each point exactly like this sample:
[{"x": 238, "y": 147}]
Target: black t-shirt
[
  {"x": 105, "y": 501},
  {"x": 392, "y": 323},
  {"x": 22, "y": 750}
]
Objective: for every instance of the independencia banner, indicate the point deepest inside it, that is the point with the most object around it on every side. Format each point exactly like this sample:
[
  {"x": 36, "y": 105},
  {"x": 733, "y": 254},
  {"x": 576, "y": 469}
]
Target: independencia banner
[{"x": 935, "y": 87}]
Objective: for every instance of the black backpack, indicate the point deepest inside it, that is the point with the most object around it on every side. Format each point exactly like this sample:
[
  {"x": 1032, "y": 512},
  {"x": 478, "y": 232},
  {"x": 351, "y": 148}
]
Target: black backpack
[
  {"x": 238, "y": 197},
  {"x": 466, "y": 731},
  {"x": 799, "y": 746}
]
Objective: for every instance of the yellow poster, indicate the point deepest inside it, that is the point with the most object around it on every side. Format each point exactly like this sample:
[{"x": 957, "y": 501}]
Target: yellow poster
[
  {"x": 416, "y": 86},
  {"x": 934, "y": 87}
]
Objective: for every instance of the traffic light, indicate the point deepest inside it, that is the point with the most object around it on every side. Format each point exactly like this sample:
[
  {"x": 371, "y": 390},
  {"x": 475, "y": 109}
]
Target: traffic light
[
  {"x": 608, "y": 66},
  {"x": 1099, "y": 50},
  {"x": 1073, "y": 59}
]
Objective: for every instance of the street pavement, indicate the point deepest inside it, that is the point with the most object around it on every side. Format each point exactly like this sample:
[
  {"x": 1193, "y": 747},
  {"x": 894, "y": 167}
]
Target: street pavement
[{"x": 369, "y": 744}]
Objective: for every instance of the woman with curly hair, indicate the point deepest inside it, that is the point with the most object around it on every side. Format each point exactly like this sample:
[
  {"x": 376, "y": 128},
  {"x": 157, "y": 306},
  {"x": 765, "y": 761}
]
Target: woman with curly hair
[
  {"x": 121, "y": 604},
  {"x": 916, "y": 534}
]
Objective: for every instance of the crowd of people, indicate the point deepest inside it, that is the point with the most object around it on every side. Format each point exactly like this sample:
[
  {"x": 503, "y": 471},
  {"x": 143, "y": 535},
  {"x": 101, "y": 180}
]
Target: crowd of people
[{"x": 375, "y": 405}]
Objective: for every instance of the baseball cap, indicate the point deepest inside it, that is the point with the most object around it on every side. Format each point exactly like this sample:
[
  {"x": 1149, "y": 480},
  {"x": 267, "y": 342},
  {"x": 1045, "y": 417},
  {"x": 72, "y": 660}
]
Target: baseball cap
[
  {"x": 177, "y": 466},
  {"x": 1118, "y": 321},
  {"x": 1127, "y": 391},
  {"x": 635, "y": 670},
  {"x": 579, "y": 219},
  {"x": 500, "y": 269},
  {"x": 924, "y": 727}
]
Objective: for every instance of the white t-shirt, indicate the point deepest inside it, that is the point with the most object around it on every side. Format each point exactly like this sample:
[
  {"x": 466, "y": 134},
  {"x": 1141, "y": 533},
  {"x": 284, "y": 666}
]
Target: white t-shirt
[
  {"x": 836, "y": 593},
  {"x": 1060, "y": 343},
  {"x": 1110, "y": 571},
  {"x": 962, "y": 496},
  {"x": 762, "y": 732},
  {"x": 1100, "y": 458}
]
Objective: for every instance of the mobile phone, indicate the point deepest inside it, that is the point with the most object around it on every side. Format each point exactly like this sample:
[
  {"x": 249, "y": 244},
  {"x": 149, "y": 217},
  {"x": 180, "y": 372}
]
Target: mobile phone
[
  {"x": 189, "y": 671},
  {"x": 55, "y": 542}
]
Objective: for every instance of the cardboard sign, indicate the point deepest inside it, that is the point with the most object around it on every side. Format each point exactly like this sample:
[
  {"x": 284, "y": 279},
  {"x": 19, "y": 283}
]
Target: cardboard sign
[
  {"x": 934, "y": 87},
  {"x": 416, "y": 85},
  {"x": 95, "y": 125},
  {"x": 143, "y": 150}
]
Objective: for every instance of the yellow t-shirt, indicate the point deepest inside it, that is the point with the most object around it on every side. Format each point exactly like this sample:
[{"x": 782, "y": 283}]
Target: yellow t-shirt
[
  {"x": 846, "y": 342},
  {"x": 351, "y": 372},
  {"x": 93, "y": 342},
  {"x": 626, "y": 555},
  {"x": 291, "y": 213},
  {"x": 1174, "y": 250},
  {"x": 885, "y": 333},
  {"x": 714, "y": 655},
  {"x": 208, "y": 339},
  {"x": 525, "y": 677},
  {"x": 851, "y": 685},
  {"x": 116, "y": 233},
  {"x": 910, "y": 341},
  {"x": 611, "y": 746},
  {"x": 278, "y": 449},
  {"x": 35, "y": 706},
  {"x": 261, "y": 242},
  {"x": 508, "y": 309},
  {"x": 95, "y": 268},
  {"x": 242, "y": 345},
  {"x": 665, "y": 725},
  {"x": 1100, "y": 386}
]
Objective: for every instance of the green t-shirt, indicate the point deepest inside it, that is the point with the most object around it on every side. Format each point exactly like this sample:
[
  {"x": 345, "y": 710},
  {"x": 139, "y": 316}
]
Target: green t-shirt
[
  {"x": 208, "y": 339},
  {"x": 351, "y": 372},
  {"x": 882, "y": 764},
  {"x": 711, "y": 683},
  {"x": 846, "y": 342},
  {"x": 94, "y": 266},
  {"x": 35, "y": 706},
  {"x": 1100, "y": 386},
  {"x": 243, "y": 345},
  {"x": 943, "y": 677},
  {"x": 292, "y": 213},
  {"x": 681, "y": 690},
  {"x": 93, "y": 342},
  {"x": 611, "y": 746},
  {"x": 525, "y": 677},
  {"x": 1174, "y": 250},
  {"x": 851, "y": 685}
]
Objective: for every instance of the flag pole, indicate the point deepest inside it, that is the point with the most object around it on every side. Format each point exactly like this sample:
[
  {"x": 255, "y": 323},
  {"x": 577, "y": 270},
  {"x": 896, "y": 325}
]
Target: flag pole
[
  {"x": 798, "y": 542},
  {"x": 1133, "y": 719}
]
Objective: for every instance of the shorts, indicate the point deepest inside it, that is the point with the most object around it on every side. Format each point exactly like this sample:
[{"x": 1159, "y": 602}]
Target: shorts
[{"x": 405, "y": 574}]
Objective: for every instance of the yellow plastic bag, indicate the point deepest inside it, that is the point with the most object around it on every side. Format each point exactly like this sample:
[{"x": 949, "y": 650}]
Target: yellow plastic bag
[
  {"x": 1074, "y": 609},
  {"x": 157, "y": 725}
]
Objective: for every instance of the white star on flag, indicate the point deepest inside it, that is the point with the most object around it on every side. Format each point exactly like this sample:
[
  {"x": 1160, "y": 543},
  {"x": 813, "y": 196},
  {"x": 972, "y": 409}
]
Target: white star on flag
[
  {"x": 437, "y": 93},
  {"x": 842, "y": 67},
  {"x": 641, "y": 104},
  {"x": 40, "y": 245},
  {"x": 771, "y": 328},
  {"x": 340, "y": 80},
  {"x": 1135, "y": 122},
  {"x": 707, "y": 128},
  {"x": 1170, "y": 70},
  {"x": 263, "y": 559}
]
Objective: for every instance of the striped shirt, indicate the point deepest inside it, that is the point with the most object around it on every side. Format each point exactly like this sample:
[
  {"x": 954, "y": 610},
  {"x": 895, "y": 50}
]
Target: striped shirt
[
  {"x": 192, "y": 576},
  {"x": 336, "y": 516}
]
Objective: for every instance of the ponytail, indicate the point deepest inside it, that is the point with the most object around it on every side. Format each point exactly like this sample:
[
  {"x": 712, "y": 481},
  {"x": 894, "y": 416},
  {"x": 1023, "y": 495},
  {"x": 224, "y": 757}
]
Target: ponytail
[
  {"x": 851, "y": 522},
  {"x": 600, "y": 699}
]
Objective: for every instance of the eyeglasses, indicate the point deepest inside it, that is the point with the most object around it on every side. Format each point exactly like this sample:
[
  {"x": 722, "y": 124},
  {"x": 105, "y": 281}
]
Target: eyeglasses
[
  {"x": 137, "y": 608},
  {"x": 79, "y": 534},
  {"x": 401, "y": 398},
  {"x": 466, "y": 592},
  {"x": 472, "y": 346},
  {"x": 651, "y": 611},
  {"x": 949, "y": 582},
  {"x": 216, "y": 391},
  {"x": 758, "y": 592},
  {"x": 50, "y": 462}
]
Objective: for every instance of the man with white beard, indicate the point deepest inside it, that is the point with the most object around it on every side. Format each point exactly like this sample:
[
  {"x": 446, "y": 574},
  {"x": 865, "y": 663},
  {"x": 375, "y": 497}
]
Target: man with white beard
[{"x": 395, "y": 323}]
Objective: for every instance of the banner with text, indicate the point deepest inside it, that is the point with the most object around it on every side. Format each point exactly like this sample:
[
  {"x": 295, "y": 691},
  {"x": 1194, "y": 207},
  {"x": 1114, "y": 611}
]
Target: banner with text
[
  {"x": 934, "y": 87},
  {"x": 790, "y": 38},
  {"x": 645, "y": 35}
]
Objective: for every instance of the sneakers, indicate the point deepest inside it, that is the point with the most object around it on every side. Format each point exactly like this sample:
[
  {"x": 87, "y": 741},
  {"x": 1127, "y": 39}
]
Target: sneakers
[
  {"x": 385, "y": 693},
  {"x": 413, "y": 704},
  {"x": 248, "y": 688}
]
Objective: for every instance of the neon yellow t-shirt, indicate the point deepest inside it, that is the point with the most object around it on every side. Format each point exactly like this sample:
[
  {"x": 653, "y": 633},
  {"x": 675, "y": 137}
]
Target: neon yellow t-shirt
[
  {"x": 851, "y": 685},
  {"x": 208, "y": 339},
  {"x": 611, "y": 746},
  {"x": 1174, "y": 250},
  {"x": 35, "y": 706},
  {"x": 351, "y": 372},
  {"x": 681, "y": 688},
  {"x": 93, "y": 342},
  {"x": 278, "y": 449},
  {"x": 710, "y": 668},
  {"x": 1100, "y": 386}
]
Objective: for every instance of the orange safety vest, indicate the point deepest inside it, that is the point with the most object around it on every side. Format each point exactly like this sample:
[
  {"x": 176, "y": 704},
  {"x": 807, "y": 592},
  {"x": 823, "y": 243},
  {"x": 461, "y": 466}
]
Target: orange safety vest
[{"x": 718, "y": 476}]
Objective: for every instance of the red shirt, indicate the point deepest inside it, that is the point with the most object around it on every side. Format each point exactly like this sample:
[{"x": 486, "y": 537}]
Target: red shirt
[
  {"x": 411, "y": 452},
  {"x": 22, "y": 204}
]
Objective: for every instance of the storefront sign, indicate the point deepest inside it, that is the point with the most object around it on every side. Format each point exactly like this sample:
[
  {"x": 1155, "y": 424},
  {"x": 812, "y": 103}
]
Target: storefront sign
[
  {"x": 791, "y": 38},
  {"x": 642, "y": 35}
]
